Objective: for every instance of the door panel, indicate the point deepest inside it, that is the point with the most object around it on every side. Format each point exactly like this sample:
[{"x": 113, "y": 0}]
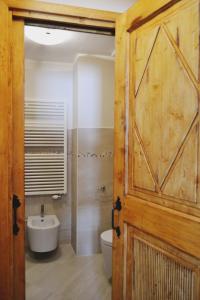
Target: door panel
[
  {"x": 157, "y": 152},
  {"x": 165, "y": 115},
  {"x": 185, "y": 169},
  {"x": 6, "y": 263},
  {"x": 158, "y": 272}
]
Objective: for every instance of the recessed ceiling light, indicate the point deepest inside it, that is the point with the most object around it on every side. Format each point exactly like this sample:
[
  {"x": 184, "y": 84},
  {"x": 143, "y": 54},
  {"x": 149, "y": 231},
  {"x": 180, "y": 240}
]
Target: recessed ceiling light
[{"x": 46, "y": 36}]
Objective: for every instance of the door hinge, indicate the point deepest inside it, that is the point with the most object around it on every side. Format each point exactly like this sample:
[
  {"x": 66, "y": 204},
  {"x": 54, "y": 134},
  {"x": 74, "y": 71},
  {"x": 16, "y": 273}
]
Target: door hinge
[
  {"x": 16, "y": 204},
  {"x": 118, "y": 207}
]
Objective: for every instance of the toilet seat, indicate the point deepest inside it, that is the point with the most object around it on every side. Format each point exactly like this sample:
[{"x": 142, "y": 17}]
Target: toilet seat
[{"x": 106, "y": 237}]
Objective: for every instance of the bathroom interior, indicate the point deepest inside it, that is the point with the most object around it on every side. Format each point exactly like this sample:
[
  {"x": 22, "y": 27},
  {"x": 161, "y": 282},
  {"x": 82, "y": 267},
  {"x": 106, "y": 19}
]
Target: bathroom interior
[{"x": 69, "y": 120}]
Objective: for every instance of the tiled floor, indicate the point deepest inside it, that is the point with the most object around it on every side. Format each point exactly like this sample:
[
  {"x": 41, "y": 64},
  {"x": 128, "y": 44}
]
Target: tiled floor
[{"x": 65, "y": 276}]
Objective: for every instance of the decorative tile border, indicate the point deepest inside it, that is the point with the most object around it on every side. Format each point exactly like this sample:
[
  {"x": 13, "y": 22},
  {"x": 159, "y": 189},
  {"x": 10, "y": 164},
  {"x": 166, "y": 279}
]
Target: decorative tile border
[{"x": 103, "y": 155}]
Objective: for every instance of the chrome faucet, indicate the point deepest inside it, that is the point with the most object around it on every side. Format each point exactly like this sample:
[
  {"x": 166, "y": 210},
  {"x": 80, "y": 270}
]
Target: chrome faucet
[{"x": 42, "y": 211}]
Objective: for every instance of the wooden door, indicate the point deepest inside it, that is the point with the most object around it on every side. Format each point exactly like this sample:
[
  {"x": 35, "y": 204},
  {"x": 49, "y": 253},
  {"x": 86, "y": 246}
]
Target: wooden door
[
  {"x": 157, "y": 256},
  {"x": 6, "y": 250}
]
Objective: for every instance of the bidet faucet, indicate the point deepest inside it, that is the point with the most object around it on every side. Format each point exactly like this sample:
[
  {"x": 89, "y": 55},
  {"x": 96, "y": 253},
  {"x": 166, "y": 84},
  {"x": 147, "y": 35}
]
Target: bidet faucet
[{"x": 42, "y": 211}]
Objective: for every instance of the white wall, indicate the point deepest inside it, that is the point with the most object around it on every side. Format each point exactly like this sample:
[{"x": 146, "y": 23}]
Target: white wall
[
  {"x": 89, "y": 80},
  {"x": 50, "y": 81},
  {"x": 93, "y": 92}
]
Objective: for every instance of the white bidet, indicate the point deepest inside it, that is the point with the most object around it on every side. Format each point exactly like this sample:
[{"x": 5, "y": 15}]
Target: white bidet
[{"x": 43, "y": 233}]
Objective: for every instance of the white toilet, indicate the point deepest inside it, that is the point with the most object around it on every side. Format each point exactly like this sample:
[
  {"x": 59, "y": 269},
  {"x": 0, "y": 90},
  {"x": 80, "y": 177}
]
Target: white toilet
[
  {"x": 106, "y": 247},
  {"x": 43, "y": 233}
]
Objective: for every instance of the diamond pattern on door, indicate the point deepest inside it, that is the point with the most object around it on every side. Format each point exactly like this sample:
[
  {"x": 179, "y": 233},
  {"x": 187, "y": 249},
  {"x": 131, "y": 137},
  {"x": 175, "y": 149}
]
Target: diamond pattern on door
[
  {"x": 186, "y": 34},
  {"x": 165, "y": 106},
  {"x": 141, "y": 167},
  {"x": 143, "y": 53},
  {"x": 163, "y": 111},
  {"x": 186, "y": 170}
]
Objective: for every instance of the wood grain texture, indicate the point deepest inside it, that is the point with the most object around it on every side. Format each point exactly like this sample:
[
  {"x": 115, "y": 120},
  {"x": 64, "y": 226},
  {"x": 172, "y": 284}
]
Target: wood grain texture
[
  {"x": 163, "y": 145},
  {"x": 119, "y": 156},
  {"x": 59, "y": 10},
  {"x": 169, "y": 123},
  {"x": 186, "y": 171},
  {"x": 161, "y": 273},
  {"x": 144, "y": 11},
  {"x": 178, "y": 229},
  {"x": 156, "y": 270},
  {"x": 159, "y": 109},
  {"x": 143, "y": 47},
  {"x": 180, "y": 26},
  {"x": 67, "y": 20},
  {"x": 6, "y": 246},
  {"x": 18, "y": 153},
  {"x": 169, "y": 110},
  {"x": 142, "y": 173},
  {"x": 152, "y": 272}
]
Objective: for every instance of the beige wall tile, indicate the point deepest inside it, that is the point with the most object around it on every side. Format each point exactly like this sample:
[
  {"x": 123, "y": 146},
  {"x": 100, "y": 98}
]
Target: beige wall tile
[
  {"x": 93, "y": 166},
  {"x": 74, "y": 190},
  {"x": 85, "y": 211}
]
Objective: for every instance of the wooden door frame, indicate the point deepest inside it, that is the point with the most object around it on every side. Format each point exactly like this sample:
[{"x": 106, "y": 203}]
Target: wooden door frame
[
  {"x": 37, "y": 11},
  {"x": 6, "y": 240},
  {"x": 49, "y": 13},
  {"x": 17, "y": 44},
  {"x": 52, "y": 14}
]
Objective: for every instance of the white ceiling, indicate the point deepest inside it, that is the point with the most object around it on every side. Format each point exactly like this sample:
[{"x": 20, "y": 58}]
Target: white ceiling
[
  {"x": 113, "y": 5},
  {"x": 79, "y": 43}
]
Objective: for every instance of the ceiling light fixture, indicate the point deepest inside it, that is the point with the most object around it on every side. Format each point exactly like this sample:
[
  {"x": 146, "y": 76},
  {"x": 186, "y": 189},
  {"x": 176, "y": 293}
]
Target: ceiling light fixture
[{"x": 47, "y": 36}]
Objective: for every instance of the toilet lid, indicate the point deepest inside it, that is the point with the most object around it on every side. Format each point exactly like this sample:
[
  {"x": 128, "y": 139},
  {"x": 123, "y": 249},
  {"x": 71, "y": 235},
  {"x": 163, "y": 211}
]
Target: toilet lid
[{"x": 106, "y": 237}]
